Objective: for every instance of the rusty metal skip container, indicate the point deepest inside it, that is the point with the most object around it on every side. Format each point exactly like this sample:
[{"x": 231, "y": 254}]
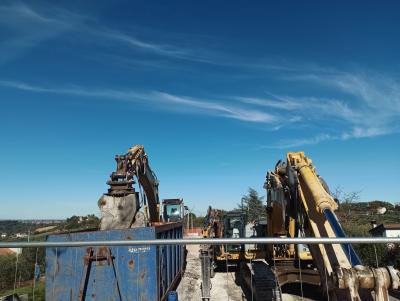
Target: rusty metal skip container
[{"x": 142, "y": 273}]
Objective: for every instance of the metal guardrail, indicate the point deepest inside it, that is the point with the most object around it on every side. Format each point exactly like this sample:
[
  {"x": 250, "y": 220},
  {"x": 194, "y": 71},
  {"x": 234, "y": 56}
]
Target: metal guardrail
[{"x": 207, "y": 241}]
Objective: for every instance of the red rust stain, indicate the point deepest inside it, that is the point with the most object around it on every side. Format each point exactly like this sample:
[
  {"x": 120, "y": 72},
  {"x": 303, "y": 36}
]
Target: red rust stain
[
  {"x": 131, "y": 264},
  {"x": 102, "y": 251}
]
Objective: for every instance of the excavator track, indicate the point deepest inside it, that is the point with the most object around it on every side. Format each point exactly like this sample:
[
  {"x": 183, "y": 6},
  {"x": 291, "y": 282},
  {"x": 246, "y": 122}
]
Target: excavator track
[{"x": 260, "y": 280}]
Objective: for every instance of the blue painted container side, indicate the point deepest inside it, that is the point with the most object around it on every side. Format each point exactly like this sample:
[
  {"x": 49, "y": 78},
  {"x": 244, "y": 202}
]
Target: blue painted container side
[{"x": 143, "y": 273}]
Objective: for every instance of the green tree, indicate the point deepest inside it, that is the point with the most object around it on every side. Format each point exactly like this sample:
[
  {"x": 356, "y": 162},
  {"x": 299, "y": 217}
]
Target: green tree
[
  {"x": 7, "y": 275},
  {"x": 25, "y": 265},
  {"x": 75, "y": 223},
  {"x": 346, "y": 200},
  {"x": 372, "y": 254},
  {"x": 28, "y": 259},
  {"x": 253, "y": 205}
]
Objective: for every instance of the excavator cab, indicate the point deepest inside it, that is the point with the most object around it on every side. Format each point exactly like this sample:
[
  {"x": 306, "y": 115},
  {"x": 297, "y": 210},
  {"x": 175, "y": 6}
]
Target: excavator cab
[
  {"x": 173, "y": 210},
  {"x": 234, "y": 227}
]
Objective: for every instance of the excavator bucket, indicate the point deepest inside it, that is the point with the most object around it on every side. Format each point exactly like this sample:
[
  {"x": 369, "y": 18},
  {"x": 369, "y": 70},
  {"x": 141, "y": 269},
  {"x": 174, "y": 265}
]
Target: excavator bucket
[{"x": 120, "y": 212}]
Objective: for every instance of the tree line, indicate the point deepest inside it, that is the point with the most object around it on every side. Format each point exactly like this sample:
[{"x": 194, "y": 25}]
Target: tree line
[{"x": 20, "y": 268}]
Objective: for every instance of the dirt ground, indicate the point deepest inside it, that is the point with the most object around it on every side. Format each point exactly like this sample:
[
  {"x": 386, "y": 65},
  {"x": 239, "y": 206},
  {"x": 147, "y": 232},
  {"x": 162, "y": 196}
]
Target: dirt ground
[
  {"x": 223, "y": 284},
  {"x": 224, "y": 287},
  {"x": 189, "y": 287}
]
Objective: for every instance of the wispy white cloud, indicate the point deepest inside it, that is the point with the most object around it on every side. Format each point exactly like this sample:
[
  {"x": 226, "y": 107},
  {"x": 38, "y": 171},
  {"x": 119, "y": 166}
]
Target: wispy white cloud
[
  {"x": 104, "y": 35},
  {"x": 27, "y": 28},
  {"x": 354, "y": 133},
  {"x": 365, "y": 105},
  {"x": 218, "y": 108},
  {"x": 30, "y": 25},
  {"x": 353, "y": 105},
  {"x": 171, "y": 101},
  {"x": 154, "y": 45},
  {"x": 292, "y": 143},
  {"x": 377, "y": 92},
  {"x": 358, "y": 132},
  {"x": 145, "y": 45},
  {"x": 75, "y": 91},
  {"x": 311, "y": 106},
  {"x": 283, "y": 104},
  {"x": 367, "y": 108}
]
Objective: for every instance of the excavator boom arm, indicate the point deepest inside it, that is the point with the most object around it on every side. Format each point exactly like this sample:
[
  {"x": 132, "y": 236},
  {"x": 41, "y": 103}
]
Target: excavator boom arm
[
  {"x": 296, "y": 193},
  {"x": 147, "y": 179},
  {"x": 120, "y": 206}
]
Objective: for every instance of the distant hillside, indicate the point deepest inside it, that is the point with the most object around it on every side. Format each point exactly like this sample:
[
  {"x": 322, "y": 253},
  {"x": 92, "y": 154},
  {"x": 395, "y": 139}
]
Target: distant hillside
[
  {"x": 12, "y": 227},
  {"x": 15, "y": 229},
  {"x": 356, "y": 217},
  {"x": 79, "y": 223}
]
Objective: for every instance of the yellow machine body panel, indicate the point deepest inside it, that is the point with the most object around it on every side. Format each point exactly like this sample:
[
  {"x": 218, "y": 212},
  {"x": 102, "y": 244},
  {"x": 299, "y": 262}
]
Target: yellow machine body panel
[{"x": 299, "y": 204}]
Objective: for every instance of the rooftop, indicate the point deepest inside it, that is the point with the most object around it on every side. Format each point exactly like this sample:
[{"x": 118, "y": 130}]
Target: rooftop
[
  {"x": 5, "y": 251},
  {"x": 382, "y": 227}
]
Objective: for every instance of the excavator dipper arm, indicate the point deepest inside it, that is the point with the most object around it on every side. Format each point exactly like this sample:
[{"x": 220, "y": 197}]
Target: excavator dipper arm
[
  {"x": 340, "y": 268},
  {"x": 120, "y": 206}
]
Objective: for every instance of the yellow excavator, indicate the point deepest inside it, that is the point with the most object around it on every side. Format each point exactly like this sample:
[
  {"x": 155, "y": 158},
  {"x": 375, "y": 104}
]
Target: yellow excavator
[
  {"x": 299, "y": 204},
  {"x": 225, "y": 225},
  {"x": 232, "y": 224},
  {"x": 130, "y": 210},
  {"x": 123, "y": 207}
]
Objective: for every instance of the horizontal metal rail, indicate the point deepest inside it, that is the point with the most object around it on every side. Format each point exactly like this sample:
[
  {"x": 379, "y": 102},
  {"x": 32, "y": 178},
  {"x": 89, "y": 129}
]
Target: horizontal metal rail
[{"x": 205, "y": 241}]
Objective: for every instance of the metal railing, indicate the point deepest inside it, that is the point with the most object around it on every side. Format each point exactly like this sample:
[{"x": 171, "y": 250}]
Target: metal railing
[{"x": 208, "y": 241}]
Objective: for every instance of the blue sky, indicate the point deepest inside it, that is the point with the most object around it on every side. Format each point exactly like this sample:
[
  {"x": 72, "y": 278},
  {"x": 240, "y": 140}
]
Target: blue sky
[{"x": 216, "y": 91}]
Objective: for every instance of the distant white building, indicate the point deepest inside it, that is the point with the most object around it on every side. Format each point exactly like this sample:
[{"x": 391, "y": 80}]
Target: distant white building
[
  {"x": 21, "y": 235},
  {"x": 3, "y": 235},
  {"x": 386, "y": 230},
  {"x": 16, "y": 251},
  {"x": 381, "y": 210}
]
